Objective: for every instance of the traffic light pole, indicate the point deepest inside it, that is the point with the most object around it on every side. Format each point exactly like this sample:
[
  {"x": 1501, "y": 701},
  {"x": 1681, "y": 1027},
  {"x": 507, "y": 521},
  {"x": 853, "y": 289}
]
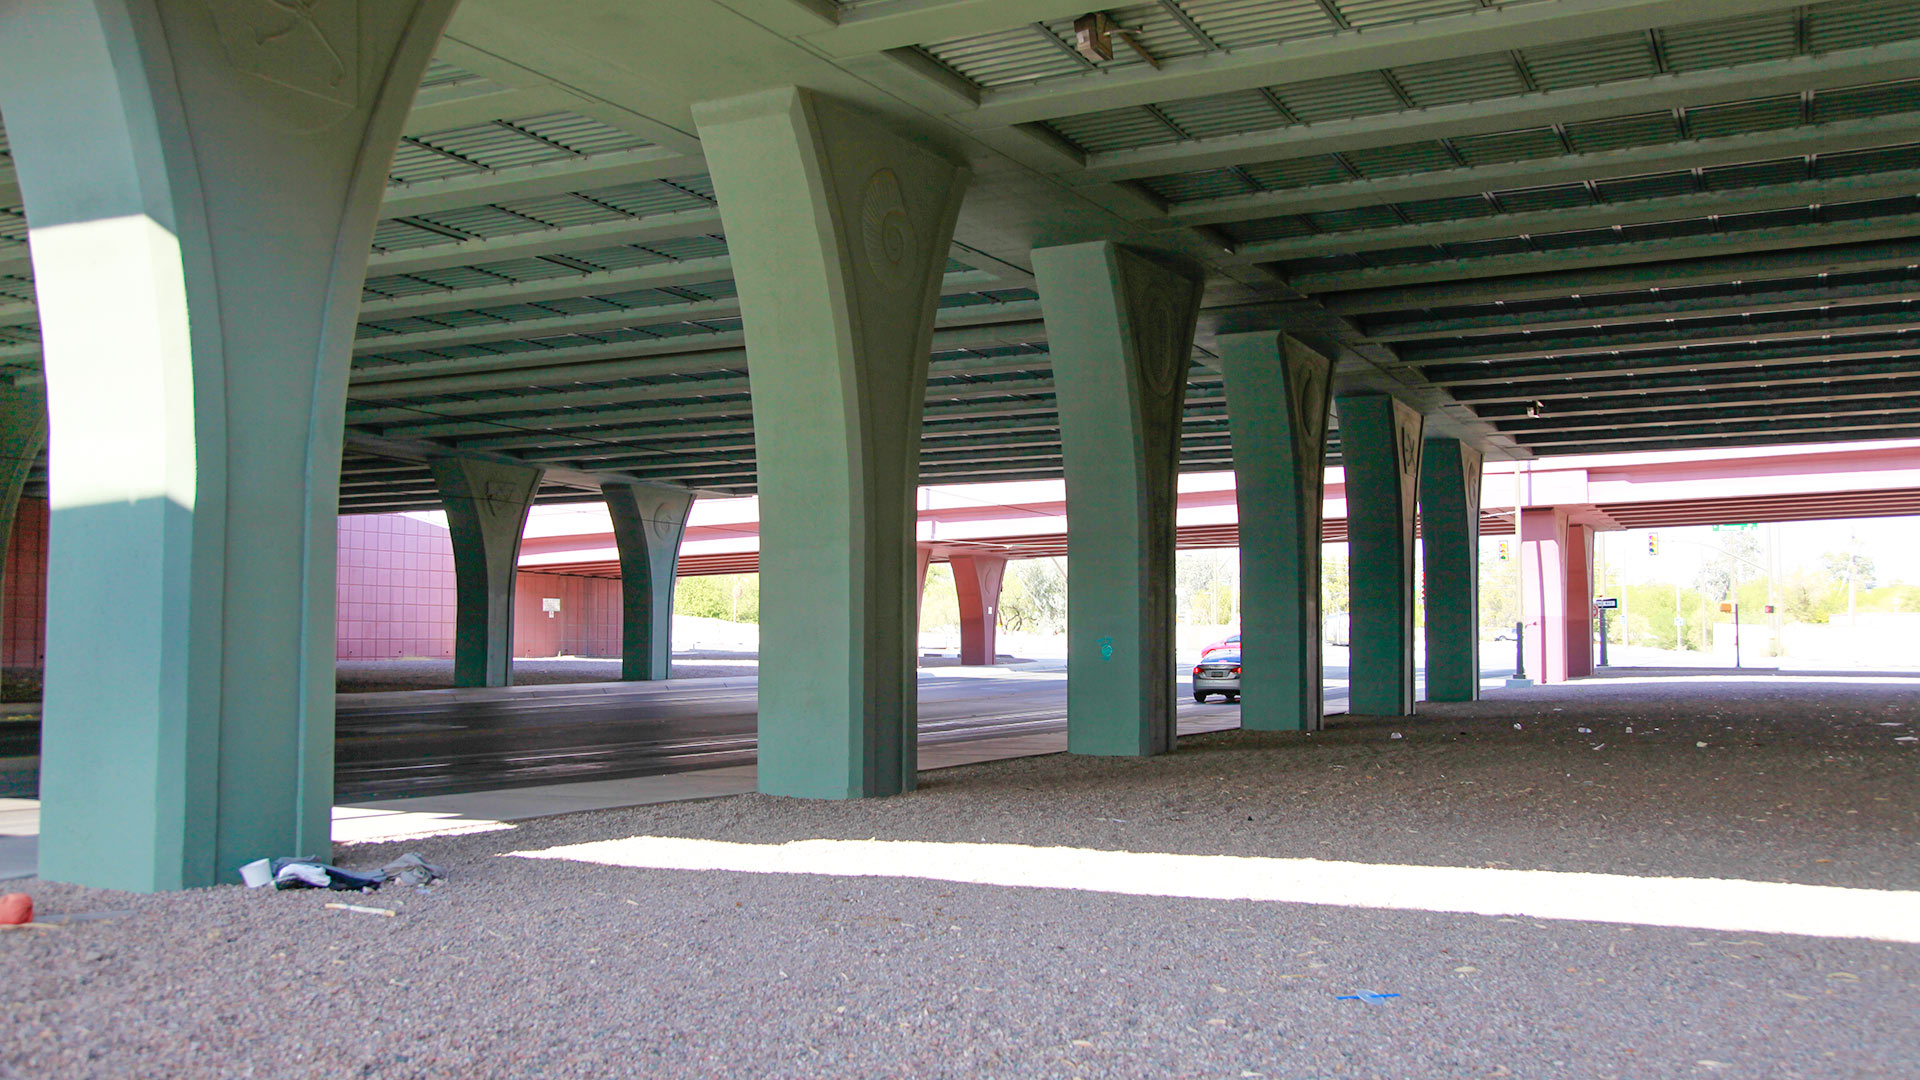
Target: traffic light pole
[{"x": 1736, "y": 635}]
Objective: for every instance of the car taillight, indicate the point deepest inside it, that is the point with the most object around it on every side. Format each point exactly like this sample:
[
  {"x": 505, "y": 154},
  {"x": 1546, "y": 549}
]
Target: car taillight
[
  {"x": 1236, "y": 669},
  {"x": 1196, "y": 672}
]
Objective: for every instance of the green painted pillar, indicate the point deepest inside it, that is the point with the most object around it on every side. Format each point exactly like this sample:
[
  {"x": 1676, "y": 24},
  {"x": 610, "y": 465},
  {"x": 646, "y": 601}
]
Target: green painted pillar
[
  {"x": 201, "y": 190},
  {"x": 23, "y": 434},
  {"x": 1450, "y": 561},
  {"x": 1278, "y": 391},
  {"x": 486, "y": 504},
  {"x": 1120, "y": 329},
  {"x": 648, "y": 522},
  {"x": 1380, "y": 443},
  {"x": 838, "y": 228}
]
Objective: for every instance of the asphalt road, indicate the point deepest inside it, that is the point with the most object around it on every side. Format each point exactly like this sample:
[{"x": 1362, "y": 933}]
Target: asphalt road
[
  {"x": 392, "y": 745},
  {"x": 438, "y": 743}
]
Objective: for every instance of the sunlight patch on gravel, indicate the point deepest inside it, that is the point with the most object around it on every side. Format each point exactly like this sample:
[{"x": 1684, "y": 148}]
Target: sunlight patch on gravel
[{"x": 1722, "y": 904}]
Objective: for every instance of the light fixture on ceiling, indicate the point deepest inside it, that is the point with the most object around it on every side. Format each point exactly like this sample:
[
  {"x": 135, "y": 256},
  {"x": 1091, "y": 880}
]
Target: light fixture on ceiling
[{"x": 1093, "y": 35}]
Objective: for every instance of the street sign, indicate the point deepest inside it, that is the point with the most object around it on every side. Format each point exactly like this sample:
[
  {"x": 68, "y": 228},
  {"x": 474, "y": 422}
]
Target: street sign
[
  {"x": 1607, "y": 603},
  {"x": 1732, "y": 528}
]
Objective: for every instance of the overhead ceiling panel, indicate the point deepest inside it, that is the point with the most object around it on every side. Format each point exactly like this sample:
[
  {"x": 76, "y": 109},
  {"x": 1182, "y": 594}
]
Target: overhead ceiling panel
[
  {"x": 1749, "y": 39},
  {"x": 1225, "y": 114},
  {"x": 1119, "y": 129},
  {"x": 1450, "y": 82},
  {"x": 1361, "y": 14},
  {"x": 1590, "y": 63},
  {"x": 1341, "y": 97},
  {"x": 1239, "y": 24},
  {"x": 1857, "y": 23},
  {"x": 1023, "y": 54}
]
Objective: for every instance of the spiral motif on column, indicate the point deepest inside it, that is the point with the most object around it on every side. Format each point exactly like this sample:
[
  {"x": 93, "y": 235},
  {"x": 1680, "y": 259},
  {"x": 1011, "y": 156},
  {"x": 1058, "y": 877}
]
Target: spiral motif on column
[{"x": 886, "y": 233}]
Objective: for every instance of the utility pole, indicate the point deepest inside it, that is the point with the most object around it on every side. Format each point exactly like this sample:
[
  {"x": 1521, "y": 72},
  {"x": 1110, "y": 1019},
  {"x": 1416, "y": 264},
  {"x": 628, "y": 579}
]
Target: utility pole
[{"x": 1853, "y": 563}]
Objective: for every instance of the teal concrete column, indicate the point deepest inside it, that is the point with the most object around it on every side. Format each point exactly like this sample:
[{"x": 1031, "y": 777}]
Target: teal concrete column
[
  {"x": 648, "y": 522},
  {"x": 1450, "y": 562},
  {"x": 838, "y": 229},
  {"x": 1380, "y": 442},
  {"x": 1120, "y": 329},
  {"x": 23, "y": 434},
  {"x": 486, "y": 504},
  {"x": 1278, "y": 391},
  {"x": 201, "y": 186}
]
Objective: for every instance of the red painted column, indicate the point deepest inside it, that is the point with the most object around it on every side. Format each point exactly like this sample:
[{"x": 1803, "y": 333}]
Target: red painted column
[
  {"x": 923, "y": 558},
  {"x": 1543, "y": 585},
  {"x": 976, "y": 580},
  {"x": 1578, "y": 613},
  {"x": 1556, "y": 574}
]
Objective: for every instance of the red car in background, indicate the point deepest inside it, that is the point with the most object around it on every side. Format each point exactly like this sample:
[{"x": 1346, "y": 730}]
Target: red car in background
[{"x": 1231, "y": 642}]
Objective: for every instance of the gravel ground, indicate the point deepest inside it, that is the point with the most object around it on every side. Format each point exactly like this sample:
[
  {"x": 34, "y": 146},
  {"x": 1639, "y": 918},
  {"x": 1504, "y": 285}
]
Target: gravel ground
[{"x": 540, "y": 968}]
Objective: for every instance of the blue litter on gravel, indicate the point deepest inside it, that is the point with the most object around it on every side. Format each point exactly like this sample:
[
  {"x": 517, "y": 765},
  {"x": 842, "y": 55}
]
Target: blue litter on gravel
[{"x": 1367, "y": 996}]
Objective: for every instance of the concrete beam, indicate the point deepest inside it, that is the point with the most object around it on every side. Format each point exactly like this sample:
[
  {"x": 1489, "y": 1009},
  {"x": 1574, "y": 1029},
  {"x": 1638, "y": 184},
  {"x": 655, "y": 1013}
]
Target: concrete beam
[
  {"x": 532, "y": 181},
  {"x": 1486, "y": 271},
  {"x": 879, "y": 27},
  {"x": 962, "y": 281},
  {"x": 1475, "y": 33},
  {"x": 1810, "y": 139},
  {"x": 528, "y": 245},
  {"x": 1604, "y": 215},
  {"x": 1593, "y": 312},
  {"x": 1709, "y": 267},
  {"x": 1846, "y": 67}
]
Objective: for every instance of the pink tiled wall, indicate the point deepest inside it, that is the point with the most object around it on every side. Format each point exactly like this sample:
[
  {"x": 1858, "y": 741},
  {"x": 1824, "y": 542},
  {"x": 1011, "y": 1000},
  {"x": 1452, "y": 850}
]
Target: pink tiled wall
[
  {"x": 395, "y": 591},
  {"x": 587, "y": 624},
  {"x": 397, "y": 598},
  {"x": 395, "y": 588},
  {"x": 23, "y": 618}
]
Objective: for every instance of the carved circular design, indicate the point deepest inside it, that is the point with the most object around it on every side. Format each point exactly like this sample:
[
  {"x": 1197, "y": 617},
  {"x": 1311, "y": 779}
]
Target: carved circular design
[
  {"x": 886, "y": 233},
  {"x": 658, "y": 523},
  {"x": 1306, "y": 393},
  {"x": 1163, "y": 362}
]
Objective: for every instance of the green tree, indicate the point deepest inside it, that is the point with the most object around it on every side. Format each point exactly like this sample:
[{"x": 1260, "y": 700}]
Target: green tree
[
  {"x": 940, "y": 603},
  {"x": 1333, "y": 579},
  {"x": 1841, "y": 565},
  {"x": 1033, "y": 596},
  {"x": 1499, "y": 586},
  {"x": 732, "y": 597},
  {"x": 1206, "y": 587},
  {"x": 1737, "y": 560}
]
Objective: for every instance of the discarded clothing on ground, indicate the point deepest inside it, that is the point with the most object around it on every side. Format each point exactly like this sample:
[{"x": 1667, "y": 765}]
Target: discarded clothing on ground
[
  {"x": 311, "y": 873},
  {"x": 411, "y": 869}
]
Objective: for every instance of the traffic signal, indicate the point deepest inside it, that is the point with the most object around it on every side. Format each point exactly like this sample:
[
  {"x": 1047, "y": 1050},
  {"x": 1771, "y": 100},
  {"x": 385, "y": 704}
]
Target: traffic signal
[
  {"x": 1653, "y": 543},
  {"x": 1503, "y": 551}
]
